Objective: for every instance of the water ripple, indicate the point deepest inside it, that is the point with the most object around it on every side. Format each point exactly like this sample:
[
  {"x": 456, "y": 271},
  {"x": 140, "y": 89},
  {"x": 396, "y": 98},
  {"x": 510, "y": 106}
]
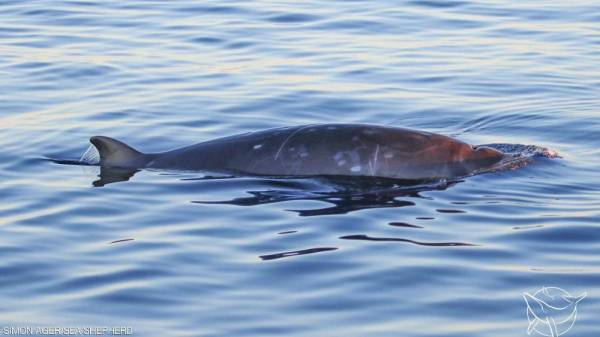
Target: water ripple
[{"x": 181, "y": 253}]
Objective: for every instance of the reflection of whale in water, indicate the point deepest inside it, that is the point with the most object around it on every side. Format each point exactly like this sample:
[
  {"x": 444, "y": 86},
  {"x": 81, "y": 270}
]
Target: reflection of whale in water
[{"x": 347, "y": 195}]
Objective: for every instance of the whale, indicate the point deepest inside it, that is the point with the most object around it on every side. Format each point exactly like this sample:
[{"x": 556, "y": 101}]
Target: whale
[{"x": 349, "y": 150}]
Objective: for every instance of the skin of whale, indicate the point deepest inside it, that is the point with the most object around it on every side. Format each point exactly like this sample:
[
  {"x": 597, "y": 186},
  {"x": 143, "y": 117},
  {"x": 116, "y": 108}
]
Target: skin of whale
[{"x": 315, "y": 150}]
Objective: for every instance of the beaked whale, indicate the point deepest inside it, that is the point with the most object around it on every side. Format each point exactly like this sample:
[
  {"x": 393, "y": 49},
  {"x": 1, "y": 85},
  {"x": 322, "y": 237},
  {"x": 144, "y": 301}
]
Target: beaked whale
[{"x": 315, "y": 150}]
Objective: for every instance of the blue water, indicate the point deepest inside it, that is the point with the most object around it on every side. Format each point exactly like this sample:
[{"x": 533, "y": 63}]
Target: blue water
[{"x": 171, "y": 254}]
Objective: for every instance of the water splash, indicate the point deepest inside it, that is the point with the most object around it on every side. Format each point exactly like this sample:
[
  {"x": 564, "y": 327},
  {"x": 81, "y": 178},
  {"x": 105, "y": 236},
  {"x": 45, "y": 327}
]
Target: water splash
[
  {"x": 529, "y": 151},
  {"x": 91, "y": 156},
  {"x": 517, "y": 156}
]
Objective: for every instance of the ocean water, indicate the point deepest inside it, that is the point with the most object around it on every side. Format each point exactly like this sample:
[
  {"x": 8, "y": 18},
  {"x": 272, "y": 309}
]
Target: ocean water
[{"x": 174, "y": 254}]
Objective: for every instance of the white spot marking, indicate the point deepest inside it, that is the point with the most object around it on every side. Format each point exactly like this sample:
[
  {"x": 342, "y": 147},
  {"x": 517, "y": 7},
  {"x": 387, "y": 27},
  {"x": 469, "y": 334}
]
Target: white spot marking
[
  {"x": 388, "y": 155},
  {"x": 369, "y": 132},
  {"x": 341, "y": 162},
  {"x": 257, "y": 146},
  {"x": 304, "y": 154},
  {"x": 356, "y": 168}
]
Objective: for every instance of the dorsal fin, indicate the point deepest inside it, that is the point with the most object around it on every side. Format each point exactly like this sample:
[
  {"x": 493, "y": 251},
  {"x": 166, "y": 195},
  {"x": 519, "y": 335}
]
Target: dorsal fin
[{"x": 114, "y": 153}]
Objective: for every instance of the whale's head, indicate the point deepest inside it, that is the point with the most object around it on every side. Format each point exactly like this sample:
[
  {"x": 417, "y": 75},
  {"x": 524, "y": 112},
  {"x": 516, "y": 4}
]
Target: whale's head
[
  {"x": 450, "y": 158},
  {"x": 479, "y": 157},
  {"x": 487, "y": 155}
]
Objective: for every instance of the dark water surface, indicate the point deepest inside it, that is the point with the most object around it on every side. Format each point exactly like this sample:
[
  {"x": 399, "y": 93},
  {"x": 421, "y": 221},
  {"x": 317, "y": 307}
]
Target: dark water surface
[{"x": 172, "y": 254}]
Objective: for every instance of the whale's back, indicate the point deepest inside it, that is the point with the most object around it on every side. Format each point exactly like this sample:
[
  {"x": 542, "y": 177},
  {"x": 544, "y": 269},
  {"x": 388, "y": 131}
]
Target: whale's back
[{"x": 330, "y": 149}]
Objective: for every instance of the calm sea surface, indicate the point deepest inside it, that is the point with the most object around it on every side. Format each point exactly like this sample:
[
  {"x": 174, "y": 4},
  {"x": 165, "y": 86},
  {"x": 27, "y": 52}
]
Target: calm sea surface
[{"x": 172, "y": 254}]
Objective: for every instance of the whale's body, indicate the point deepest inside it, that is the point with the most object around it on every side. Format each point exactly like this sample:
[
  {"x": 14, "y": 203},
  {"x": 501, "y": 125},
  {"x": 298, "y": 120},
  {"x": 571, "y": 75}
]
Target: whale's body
[{"x": 315, "y": 150}]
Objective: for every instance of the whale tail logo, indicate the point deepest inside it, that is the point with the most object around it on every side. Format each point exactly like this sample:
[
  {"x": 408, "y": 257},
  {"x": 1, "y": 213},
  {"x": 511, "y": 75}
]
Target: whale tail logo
[{"x": 551, "y": 311}]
